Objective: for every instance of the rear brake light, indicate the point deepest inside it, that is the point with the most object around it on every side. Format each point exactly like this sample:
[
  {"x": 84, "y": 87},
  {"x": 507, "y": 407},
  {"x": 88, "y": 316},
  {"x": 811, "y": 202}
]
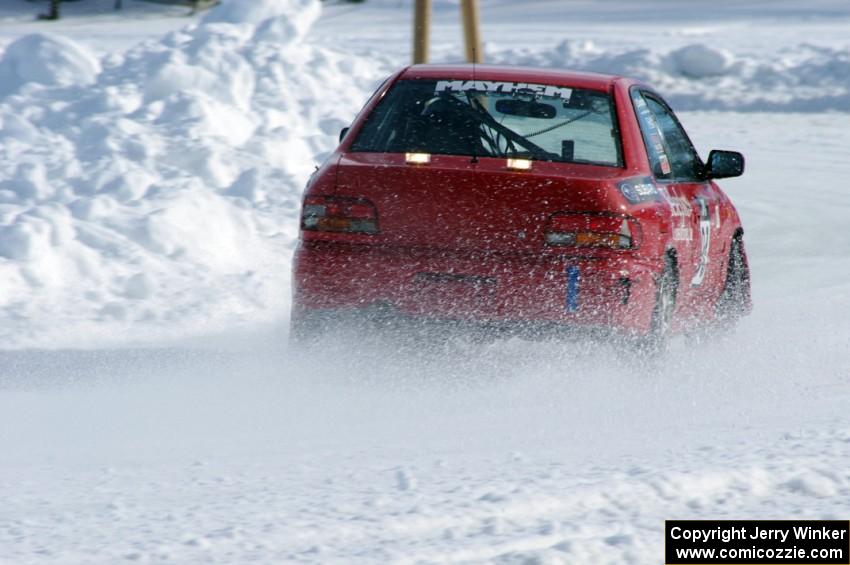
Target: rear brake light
[
  {"x": 593, "y": 230},
  {"x": 339, "y": 215}
]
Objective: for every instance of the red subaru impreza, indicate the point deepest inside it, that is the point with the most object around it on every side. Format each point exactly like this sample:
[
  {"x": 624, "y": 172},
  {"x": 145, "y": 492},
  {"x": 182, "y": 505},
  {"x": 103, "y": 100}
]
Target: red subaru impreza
[{"x": 511, "y": 197}]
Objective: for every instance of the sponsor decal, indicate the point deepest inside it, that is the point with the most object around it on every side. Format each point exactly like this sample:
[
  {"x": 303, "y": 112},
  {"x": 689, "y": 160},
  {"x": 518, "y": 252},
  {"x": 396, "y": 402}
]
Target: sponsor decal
[
  {"x": 512, "y": 88},
  {"x": 681, "y": 208},
  {"x": 644, "y": 189},
  {"x": 682, "y": 234},
  {"x": 639, "y": 190},
  {"x": 665, "y": 164}
]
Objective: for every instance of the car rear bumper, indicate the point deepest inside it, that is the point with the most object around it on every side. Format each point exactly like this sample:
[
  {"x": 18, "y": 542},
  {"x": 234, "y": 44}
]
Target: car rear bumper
[{"x": 614, "y": 292}]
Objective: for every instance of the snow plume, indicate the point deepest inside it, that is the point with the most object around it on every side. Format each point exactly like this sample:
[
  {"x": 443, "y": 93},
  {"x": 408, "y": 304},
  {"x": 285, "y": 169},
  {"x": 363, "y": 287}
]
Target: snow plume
[{"x": 157, "y": 196}]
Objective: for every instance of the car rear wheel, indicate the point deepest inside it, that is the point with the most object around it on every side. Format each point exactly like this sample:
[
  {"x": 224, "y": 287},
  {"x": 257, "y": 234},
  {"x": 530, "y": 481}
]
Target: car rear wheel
[
  {"x": 655, "y": 342},
  {"x": 734, "y": 301}
]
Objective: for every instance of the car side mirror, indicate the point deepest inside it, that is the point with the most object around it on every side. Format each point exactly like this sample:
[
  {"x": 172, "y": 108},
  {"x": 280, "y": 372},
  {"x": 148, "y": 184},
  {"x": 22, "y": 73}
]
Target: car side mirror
[
  {"x": 342, "y": 133},
  {"x": 724, "y": 164}
]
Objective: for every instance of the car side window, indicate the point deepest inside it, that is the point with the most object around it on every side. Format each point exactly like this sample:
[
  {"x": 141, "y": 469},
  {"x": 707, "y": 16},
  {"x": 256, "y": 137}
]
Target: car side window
[
  {"x": 670, "y": 152},
  {"x": 684, "y": 160},
  {"x": 656, "y": 150}
]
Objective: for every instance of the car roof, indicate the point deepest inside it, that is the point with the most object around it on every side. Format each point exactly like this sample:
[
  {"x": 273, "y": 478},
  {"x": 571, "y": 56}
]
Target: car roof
[{"x": 556, "y": 77}]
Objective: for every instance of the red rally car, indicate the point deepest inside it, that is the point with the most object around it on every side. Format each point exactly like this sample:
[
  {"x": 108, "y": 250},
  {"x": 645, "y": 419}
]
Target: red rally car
[{"x": 520, "y": 198}]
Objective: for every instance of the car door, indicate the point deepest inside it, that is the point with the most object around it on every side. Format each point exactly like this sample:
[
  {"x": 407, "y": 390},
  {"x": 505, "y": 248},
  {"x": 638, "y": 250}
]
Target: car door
[{"x": 678, "y": 171}]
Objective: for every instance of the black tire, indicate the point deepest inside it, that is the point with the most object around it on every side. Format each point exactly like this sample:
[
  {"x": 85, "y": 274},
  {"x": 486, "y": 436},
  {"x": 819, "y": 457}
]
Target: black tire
[
  {"x": 734, "y": 302},
  {"x": 656, "y": 341}
]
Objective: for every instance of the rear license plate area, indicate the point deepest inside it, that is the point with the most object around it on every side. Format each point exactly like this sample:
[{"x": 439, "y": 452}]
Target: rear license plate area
[{"x": 452, "y": 294}]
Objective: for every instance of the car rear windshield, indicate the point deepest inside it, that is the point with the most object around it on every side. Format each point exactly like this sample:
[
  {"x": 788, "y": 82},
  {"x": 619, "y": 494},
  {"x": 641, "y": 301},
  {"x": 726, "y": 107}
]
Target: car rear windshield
[{"x": 494, "y": 119}]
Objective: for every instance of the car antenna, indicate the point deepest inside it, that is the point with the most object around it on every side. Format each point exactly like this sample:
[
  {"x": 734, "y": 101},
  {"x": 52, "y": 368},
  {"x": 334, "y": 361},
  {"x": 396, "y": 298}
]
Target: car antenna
[{"x": 474, "y": 84}]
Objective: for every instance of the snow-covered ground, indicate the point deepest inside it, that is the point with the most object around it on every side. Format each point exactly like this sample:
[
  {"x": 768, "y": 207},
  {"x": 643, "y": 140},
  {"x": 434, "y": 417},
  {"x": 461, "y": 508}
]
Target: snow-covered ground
[{"x": 148, "y": 197}]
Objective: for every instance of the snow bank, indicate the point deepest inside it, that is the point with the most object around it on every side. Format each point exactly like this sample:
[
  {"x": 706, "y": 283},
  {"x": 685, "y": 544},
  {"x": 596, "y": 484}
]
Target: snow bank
[
  {"x": 294, "y": 16},
  {"x": 701, "y": 61},
  {"x": 157, "y": 196},
  {"x": 46, "y": 60},
  {"x": 798, "y": 78}
]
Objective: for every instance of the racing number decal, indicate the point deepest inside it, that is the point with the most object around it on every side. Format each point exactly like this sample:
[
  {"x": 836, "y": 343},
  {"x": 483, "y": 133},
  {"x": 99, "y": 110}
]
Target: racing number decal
[{"x": 705, "y": 241}]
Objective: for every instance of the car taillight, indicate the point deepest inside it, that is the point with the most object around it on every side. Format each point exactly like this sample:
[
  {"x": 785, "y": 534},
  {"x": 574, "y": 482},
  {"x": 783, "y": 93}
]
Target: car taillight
[
  {"x": 593, "y": 230},
  {"x": 339, "y": 215}
]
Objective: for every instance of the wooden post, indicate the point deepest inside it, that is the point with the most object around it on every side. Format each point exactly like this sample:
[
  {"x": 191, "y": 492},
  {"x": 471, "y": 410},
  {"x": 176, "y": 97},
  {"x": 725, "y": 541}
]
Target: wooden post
[
  {"x": 421, "y": 30},
  {"x": 471, "y": 31}
]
